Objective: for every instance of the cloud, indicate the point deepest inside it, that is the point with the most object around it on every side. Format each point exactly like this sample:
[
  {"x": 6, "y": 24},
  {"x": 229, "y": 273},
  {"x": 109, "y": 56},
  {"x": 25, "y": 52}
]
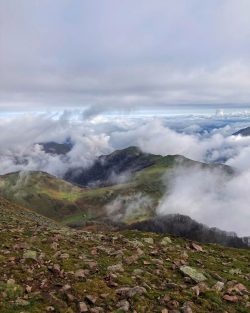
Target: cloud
[
  {"x": 106, "y": 56},
  {"x": 128, "y": 208},
  {"x": 210, "y": 197},
  {"x": 199, "y": 138}
]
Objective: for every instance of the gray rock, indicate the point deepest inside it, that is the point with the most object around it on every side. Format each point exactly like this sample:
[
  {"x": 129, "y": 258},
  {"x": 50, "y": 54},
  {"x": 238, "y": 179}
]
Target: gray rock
[
  {"x": 193, "y": 273},
  {"x": 115, "y": 268},
  {"x": 30, "y": 254},
  {"x": 166, "y": 241},
  {"x": 149, "y": 240}
]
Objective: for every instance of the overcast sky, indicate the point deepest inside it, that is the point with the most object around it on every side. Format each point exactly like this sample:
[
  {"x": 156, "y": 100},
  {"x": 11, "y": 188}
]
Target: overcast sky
[{"x": 124, "y": 54}]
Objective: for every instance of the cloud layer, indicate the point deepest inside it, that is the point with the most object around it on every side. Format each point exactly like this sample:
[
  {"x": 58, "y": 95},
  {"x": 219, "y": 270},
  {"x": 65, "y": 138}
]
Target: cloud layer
[
  {"x": 124, "y": 55},
  {"x": 209, "y": 197}
]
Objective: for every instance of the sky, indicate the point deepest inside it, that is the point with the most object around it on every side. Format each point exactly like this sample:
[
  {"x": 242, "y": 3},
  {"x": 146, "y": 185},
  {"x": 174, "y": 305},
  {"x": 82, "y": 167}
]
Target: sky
[{"x": 116, "y": 55}]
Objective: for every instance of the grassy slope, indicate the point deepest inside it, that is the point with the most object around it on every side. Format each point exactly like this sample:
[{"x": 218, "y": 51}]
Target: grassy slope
[
  {"x": 62, "y": 201},
  {"x": 42, "y": 192},
  {"x": 50, "y": 281}
]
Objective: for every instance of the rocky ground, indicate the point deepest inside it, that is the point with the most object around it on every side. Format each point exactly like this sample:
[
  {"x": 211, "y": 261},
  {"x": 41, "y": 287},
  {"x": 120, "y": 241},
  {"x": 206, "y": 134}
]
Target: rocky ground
[{"x": 48, "y": 268}]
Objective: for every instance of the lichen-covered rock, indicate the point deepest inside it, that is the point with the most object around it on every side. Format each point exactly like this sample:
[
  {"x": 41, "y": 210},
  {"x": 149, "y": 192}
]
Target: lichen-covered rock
[
  {"x": 149, "y": 240},
  {"x": 115, "y": 268},
  {"x": 193, "y": 273},
  {"x": 30, "y": 254},
  {"x": 166, "y": 241}
]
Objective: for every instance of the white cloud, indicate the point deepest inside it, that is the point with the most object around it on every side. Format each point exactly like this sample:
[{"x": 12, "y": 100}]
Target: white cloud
[
  {"x": 210, "y": 197},
  {"x": 192, "y": 53}
]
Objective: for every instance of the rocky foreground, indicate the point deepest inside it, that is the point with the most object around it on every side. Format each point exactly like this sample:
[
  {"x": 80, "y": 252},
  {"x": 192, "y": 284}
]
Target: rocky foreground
[{"x": 48, "y": 268}]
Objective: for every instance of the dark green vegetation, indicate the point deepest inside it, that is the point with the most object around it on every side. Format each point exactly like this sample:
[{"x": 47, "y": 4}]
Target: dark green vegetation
[
  {"x": 45, "y": 267},
  {"x": 121, "y": 164},
  {"x": 184, "y": 226}
]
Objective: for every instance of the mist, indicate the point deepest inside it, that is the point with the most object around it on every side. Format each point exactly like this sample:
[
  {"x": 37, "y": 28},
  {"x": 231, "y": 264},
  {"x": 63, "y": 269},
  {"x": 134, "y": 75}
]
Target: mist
[{"x": 209, "y": 197}]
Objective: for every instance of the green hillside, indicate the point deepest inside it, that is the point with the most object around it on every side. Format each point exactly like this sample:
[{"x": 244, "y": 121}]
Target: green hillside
[
  {"x": 129, "y": 202},
  {"x": 41, "y": 192},
  {"x": 45, "y": 267}
]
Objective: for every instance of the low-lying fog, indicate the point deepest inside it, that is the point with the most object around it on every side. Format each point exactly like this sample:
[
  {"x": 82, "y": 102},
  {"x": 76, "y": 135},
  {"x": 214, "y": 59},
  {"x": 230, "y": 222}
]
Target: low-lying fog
[{"x": 208, "y": 197}]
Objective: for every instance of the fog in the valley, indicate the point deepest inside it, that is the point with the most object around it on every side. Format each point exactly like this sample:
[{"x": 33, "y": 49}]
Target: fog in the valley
[{"x": 210, "y": 197}]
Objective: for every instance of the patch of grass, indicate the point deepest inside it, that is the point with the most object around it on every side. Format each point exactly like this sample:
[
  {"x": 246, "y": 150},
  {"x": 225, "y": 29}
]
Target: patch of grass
[{"x": 12, "y": 290}]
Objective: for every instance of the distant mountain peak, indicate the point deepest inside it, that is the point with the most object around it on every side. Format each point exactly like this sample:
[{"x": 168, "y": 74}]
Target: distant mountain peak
[
  {"x": 56, "y": 148},
  {"x": 243, "y": 132}
]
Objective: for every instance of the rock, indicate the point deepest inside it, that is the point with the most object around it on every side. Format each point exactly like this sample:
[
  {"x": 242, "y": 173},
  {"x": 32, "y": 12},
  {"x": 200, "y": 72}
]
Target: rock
[
  {"x": 184, "y": 255},
  {"x": 165, "y": 299},
  {"x": 196, "y": 247},
  {"x": 80, "y": 273},
  {"x": 218, "y": 286},
  {"x": 66, "y": 287},
  {"x": 229, "y": 298},
  {"x": 172, "y": 286},
  {"x": 193, "y": 273},
  {"x": 28, "y": 289},
  {"x": 186, "y": 308},
  {"x": 115, "y": 268},
  {"x": 55, "y": 268},
  {"x": 131, "y": 259},
  {"x": 166, "y": 241},
  {"x": 138, "y": 271},
  {"x": 30, "y": 254},
  {"x": 136, "y": 243},
  {"x": 123, "y": 305},
  {"x": 64, "y": 256},
  {"x": 238, "y": 288},
  {"x": 149, "y": 240},
  {"x": 82, "y": 307},
  {"x": 136, "y": 291},
  {"x": 96, "y": 309},
  {"x": 217, "y": 276},
  {"x": 164, "y": 311},
  {"x": 11, "y": 282},
  {"x": 92, "y": 265},
  {"x": 70, "y": 297},
  {"x": 200, "y": 288},
  {"x": 91, "y": 299},
  {"x": 22, "y": 302},
  {"x": 173, "y": 304},
  {"x": 235, "y": 271},
  {"x": 130, "y": 292}
]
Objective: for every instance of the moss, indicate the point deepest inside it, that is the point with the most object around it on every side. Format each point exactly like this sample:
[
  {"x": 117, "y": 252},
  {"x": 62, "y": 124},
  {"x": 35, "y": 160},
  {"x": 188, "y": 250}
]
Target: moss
[
  {"x": 12, "y": 290},
  {"x": 94, "y": 287},
  {"x": 125, "y": 280},
  {"x": 213, "y": 296}
]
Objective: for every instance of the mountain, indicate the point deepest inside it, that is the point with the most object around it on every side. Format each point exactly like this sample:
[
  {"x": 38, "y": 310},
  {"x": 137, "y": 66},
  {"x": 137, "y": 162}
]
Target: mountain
[
  {"x": 120, "y": 165},
  {"x": 131, "y": 205},
  {"x": 243, "y": 132},
  {"x": 107, "y": 167},
  {"x": 42, "y": 192},
  {"x": 184, "y": 226},
  {"x": 53, "y": 147},
  {"x": 47, "y": 267},
  {"x": 130, "y": 195}
]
